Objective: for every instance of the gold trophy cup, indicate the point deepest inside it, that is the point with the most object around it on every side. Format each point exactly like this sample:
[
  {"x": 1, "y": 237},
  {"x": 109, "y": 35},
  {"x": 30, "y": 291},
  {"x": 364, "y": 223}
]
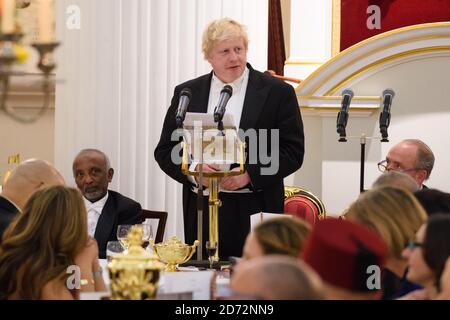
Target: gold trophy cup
[
  {"x": 174, "y": 252},
  {"x": 135, "y": 273}
]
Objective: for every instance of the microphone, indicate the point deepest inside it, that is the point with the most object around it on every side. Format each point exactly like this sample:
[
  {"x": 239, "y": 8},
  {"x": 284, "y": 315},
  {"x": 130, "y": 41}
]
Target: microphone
[
  {"x": 385, "y": 115},
  {"x": 342, "y": 117},
  {"x": 225, "y": 95},
  {"x": 185, "y": 98}
]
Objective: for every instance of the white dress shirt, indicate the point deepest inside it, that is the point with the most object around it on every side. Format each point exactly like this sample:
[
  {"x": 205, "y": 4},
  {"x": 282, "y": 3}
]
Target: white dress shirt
[
  {"x": 234, "y": 107},
  {"x": 94, "y": 210},
  {"x": 236, "y": 102}
]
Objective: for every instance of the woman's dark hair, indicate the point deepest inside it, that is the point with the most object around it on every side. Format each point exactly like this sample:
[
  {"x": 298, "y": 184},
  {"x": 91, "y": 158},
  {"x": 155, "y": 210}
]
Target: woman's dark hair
[
  {"x": 436, "y": 247},
  {"x": 434, "y": 201}
]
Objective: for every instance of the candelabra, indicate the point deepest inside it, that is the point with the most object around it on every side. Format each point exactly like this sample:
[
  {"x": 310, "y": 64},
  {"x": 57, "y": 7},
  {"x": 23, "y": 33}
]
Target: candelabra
[{"x": 8, "y": 58}]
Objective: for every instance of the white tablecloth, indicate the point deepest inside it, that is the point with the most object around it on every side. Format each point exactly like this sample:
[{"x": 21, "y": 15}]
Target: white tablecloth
[{"x": 179, "y": 282}]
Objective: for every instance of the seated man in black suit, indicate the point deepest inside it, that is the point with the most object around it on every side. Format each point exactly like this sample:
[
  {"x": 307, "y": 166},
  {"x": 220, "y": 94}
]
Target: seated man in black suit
[
  {"x": 28, "y": 177},
  {"x": 106, "y": 208}
]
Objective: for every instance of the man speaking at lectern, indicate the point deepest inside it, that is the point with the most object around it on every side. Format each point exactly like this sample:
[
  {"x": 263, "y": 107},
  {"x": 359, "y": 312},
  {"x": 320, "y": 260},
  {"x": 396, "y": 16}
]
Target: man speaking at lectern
[{"x": 259, "y": 102}]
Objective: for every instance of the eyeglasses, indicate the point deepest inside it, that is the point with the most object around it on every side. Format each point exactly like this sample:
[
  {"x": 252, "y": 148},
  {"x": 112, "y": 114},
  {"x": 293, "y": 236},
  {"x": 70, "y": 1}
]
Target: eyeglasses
[
  {"x": 383, "y": 167},
  {"x": 413, "y": 244}
]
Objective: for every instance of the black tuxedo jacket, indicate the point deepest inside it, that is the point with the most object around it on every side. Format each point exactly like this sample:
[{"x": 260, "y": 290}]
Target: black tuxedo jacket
[
  {"x": 269, "y": 104},
  {"x": 118, "y": 210},
  {"x": 7, "y": 212}
]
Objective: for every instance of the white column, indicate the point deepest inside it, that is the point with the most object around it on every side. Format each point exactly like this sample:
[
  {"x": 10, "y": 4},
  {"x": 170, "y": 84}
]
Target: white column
[
  {"x": 309, "y": 47},
  {"x": 310, "y": 36},
  {"x": 119, "y": 71}
]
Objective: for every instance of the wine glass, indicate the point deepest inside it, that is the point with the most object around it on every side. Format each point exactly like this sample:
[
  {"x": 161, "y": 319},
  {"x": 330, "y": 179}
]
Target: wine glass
[
  {"x": 113, "y": 248},
  {"x": 122, "y": 234},
  {"x": 148, "y": 233},
  {"x": 211, "y": 248}
]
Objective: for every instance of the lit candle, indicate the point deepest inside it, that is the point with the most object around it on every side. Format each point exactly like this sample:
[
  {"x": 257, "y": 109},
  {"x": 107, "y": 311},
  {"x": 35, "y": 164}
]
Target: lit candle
[
  {"x": 8, "y": 16},
  {"x": 46, "y": 21}
]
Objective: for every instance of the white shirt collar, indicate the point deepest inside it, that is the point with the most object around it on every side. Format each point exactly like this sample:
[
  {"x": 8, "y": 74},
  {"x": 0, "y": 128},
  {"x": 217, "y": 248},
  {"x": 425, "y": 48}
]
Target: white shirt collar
[
  {"x": 236, "y": 84},
  {"x": 13, "y": 203},
  {"x": 236, "y": 102},
  {"x": 96, "y": 206}
]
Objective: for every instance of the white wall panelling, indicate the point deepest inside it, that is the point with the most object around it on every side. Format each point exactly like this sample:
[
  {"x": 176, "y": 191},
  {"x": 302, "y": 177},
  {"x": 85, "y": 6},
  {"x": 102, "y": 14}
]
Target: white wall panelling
[{"x": 310, "y": 36}]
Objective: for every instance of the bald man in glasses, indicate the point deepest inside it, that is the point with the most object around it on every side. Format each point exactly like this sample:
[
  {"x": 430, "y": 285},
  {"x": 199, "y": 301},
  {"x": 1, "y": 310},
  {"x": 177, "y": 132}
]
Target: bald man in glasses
[{"x": 412, "y": 157}]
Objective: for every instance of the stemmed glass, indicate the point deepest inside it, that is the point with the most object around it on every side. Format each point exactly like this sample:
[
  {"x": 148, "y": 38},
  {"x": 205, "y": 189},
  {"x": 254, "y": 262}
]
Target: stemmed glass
[
  {"x": 211, "y": 248},
  {"x": 113, "y": 248},
  {"x": 148, "y": 233},
  {"x": 122, "y": 234}
]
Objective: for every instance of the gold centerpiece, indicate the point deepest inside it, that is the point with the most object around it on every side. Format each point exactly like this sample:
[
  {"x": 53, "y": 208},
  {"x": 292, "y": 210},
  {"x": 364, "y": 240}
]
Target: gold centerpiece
[
  {"x": 174, "y": 252},
  {"x": 135, "y": 273},
  {"x": 12, "y": 160}
]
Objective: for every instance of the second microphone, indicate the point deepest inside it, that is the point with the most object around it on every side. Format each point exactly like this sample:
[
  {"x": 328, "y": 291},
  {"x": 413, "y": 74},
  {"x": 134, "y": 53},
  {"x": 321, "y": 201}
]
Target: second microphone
[{"x": 225, "y": 95}]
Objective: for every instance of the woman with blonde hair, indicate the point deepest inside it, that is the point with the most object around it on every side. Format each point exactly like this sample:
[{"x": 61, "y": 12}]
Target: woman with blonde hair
[
  {"x": 40, "y": 245},
  {"x": 284, "y": 235},
  {"x": 396, "y": 215}
]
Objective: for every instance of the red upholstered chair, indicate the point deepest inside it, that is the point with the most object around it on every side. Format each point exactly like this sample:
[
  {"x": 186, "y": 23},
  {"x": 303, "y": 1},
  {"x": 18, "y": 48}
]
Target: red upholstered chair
[{"x": 303, "y": 204}]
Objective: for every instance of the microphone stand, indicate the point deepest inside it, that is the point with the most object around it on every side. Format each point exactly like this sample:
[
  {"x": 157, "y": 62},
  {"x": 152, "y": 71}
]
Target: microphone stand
[
  {"x": 199, "y": 199},
  {"x": 342, "y": 123},
  {"x": 362, "y": 142},
  {"x": 200, "y": 204},
  {"x": 220, "y": 127}
]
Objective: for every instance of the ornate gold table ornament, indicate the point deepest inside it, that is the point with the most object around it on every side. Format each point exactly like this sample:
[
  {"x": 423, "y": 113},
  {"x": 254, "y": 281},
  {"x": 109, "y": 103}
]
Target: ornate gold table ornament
[
  {"x": 135, "y": 273},
  {"x": 13, "y": 161},
  {"x": 174, "y": 252}
]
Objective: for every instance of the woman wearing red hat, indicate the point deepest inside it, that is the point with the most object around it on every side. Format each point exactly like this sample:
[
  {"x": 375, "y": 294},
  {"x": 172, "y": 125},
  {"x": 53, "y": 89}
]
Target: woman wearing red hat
[
  {"x": 348, "y": 257},
  {"x": 396, "y": 215}
]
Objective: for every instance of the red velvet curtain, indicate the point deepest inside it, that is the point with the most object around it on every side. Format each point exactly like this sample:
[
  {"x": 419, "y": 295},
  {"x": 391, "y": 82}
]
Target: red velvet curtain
[
  {"x": 394, "y": 14},
  {"x": 277, "y": 52}
]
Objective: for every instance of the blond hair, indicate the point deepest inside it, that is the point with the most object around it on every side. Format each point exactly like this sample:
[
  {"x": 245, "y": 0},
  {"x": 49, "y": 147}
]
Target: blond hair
[
  {"x": 394, "y": 213},
  {"x": 219, "y": 30},
  {"x": 42, "y": 242},
  {"x": 284, "y": 235}
]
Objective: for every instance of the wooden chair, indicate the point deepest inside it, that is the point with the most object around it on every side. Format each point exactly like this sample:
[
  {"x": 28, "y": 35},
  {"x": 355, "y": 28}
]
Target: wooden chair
[{"x": 161, "y": 216}]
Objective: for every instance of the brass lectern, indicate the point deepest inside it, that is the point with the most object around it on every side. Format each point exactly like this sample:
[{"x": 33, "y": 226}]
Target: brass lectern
[{"x": 220, "y": 148}]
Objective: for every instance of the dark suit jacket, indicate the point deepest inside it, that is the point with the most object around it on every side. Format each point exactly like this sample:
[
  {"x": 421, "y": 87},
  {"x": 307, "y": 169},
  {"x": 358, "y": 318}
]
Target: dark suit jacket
[
  {"x": 269, "y": 104},
  {"x": 118, "y": 210},
  {"x": 7, "y": 212}
]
